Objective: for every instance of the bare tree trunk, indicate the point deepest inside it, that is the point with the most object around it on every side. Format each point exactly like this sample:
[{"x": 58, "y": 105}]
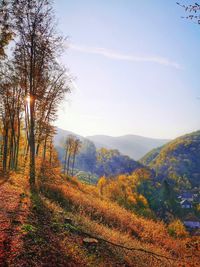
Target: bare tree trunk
[
  {"x": 51, "y": 150},
  {"x": 1, "y": 155},
  {"x": 73, "y": 163},
  {"x": 5, "y": 149},
  {"x": 45, "y": 147},
  {"x": 32, "y": 110},
  {"x": 10, "y": 151},
  {"x": 68, "y": 162},
  {"x": 37, "y": 149},
  {"x": 17, "y": 146},
  {"x": 65, "y": 160},
  {"x": 26, "y": 154},
  {"x": 32, "y": 143},
  {"x": 12, "y": 146}
]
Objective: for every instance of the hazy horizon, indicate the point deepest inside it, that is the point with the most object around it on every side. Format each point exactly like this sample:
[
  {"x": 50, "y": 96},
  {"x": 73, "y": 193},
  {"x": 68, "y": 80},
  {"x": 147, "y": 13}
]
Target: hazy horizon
[
  {"x": 122, "y": 135},
  {"x": 136, "y": 68}
]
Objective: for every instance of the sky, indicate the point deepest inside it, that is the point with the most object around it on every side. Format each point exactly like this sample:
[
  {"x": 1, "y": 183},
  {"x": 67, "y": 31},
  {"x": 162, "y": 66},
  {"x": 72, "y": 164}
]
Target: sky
[{"x": 135, "y": 66}]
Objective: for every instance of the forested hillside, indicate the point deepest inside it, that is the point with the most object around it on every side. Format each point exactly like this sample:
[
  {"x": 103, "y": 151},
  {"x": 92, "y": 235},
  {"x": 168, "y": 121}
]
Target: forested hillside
[
  {"x": 98, "y": 162},
  {"x": 179, "y": 159},
  {"x": 150, "y": 156}
]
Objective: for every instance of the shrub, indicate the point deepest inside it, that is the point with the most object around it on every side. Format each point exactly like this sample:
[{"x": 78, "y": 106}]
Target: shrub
[{"x": 177, "y": 229}]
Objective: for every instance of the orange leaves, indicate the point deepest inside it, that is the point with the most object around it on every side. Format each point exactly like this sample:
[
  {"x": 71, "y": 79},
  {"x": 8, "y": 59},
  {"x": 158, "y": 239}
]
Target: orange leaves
[
  {"x": 177, "y": 229},
  {"x": 14, "y": 209},
  {"x": 107, "y": 217},
  {"x": 132, "y": 200},
  {"x": 123, "y": 189},
  {"x": 80, "y": 200}
]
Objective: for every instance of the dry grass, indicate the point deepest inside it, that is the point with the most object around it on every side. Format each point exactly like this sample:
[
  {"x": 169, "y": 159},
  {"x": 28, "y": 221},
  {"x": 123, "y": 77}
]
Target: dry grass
[
  {"x": 106, "y": 253},
  {"x": 53, "y": 241},
  {"x": 112, "y": 222}
]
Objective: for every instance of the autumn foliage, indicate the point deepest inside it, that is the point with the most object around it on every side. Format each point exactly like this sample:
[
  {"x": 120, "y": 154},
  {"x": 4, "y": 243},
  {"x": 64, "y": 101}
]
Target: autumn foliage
[{"x": 115, "y": 222}]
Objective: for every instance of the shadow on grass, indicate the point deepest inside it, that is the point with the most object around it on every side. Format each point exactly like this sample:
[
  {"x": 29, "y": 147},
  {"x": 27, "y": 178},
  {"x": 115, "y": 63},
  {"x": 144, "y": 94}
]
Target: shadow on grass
[
  {"x": 4, "y": 177},
  {"x": 41, "y": 245}
]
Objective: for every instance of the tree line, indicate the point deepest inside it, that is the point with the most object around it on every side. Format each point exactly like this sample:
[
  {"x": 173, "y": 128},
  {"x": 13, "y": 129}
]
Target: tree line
[
  {"x": 32, "y": 82},
  {"x": 72, "y": 147}
]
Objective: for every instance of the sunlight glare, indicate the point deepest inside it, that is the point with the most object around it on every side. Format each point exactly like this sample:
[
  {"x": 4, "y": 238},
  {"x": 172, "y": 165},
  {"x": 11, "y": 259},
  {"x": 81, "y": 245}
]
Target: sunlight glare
[{"x": 28, "y": 100}]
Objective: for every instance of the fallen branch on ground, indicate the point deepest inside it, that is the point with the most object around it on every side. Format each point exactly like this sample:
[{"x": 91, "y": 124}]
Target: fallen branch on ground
[{"x": 155, "y": 255}]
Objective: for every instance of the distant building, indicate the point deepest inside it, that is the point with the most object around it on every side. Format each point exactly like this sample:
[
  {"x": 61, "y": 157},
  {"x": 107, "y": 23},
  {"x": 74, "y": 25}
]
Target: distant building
[
  {"x": 186, "y": 204},
  {"x": 186, "y": 196},
  {"x": 192, "y": 222},
  {"x": 196, "y": 194}
]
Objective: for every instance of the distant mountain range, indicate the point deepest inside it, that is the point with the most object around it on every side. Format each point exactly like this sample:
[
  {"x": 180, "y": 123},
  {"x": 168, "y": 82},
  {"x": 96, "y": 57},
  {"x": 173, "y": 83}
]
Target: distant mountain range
[
  {"x": 95, "y": 162},
  {"x": 133, "y": 146},
  {"x": 177, "y": 160}
]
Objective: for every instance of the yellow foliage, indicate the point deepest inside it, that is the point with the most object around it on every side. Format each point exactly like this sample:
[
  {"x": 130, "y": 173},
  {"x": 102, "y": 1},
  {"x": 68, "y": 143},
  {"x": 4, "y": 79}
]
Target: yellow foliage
[
  {"x": 177, "y": 229},
  {"x": 142, "y": 200},
  {"x": 132, "y": 200},
  {"x": 101, "y": 184},
  {"x": 123, "y": 189},
  {"x": 198, "y": 207}
]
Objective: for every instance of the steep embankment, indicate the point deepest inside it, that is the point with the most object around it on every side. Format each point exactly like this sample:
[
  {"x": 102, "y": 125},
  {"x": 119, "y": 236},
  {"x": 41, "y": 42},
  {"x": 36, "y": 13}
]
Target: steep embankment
[
  {"x": 49, "y": 227},
  {"x": 115, "y": 228},
  {"x": 180, "y": 157}
]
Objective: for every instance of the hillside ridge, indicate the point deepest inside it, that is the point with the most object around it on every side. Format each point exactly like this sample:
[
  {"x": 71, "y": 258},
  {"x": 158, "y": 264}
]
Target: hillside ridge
[
  {"x": 134, "y": 146},
  {"x": 178, "y": 158}
]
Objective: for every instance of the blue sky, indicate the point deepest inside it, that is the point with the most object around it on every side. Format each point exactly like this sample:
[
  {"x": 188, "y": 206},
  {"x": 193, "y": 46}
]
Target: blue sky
[{"x": 136, "y": 67}]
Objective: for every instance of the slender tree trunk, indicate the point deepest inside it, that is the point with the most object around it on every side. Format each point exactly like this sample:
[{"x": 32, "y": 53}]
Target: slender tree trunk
[
  {"x": 12, "y": 146},
  {"x": 37, "y": 149},
  {"x": 32, "y": 142},
  {"x": 5, "y": 149},
  {"x": 68, "y": 162},
  {"x": 17, "y": 146},
  {"x": 10, "y": 151},
  {"x": 39, "y": 140},
  {"x": 50, "y": 154},
  {"x": 73, "y": 163},
  {"x": 32, "y": 111},
  {"x": 45, "y": 147},
  {"x": 65, "y": 160},
  {"x": 26, "y": 154},
  {"x": 1, "y": 155}
]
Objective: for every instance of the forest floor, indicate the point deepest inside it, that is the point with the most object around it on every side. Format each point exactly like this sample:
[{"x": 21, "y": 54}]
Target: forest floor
[{"x": 14, "y": 209}]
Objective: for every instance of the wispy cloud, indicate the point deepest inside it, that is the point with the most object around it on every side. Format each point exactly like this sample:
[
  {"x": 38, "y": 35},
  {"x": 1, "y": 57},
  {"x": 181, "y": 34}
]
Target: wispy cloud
[{"x": 125, "y": 57}]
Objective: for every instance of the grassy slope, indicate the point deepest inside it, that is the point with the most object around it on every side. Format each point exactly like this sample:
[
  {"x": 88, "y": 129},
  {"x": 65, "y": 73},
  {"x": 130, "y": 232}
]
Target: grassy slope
[{"x": 46, "y": 240}]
